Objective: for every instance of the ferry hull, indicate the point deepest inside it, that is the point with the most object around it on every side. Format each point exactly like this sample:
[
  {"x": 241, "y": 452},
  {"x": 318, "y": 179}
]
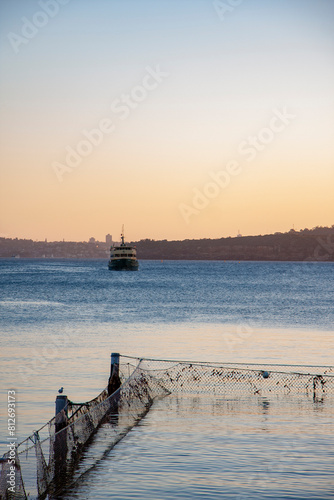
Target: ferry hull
[{"x": 123, "y": 265}]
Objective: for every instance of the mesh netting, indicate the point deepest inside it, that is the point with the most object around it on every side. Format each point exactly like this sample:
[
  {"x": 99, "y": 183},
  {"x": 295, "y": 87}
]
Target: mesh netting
[
  {"x": 52, "y": 460},
  {"x": 47, "y": 466},
  {"x": 215, "y": 378},
  {"x": 11, "y": 483}
]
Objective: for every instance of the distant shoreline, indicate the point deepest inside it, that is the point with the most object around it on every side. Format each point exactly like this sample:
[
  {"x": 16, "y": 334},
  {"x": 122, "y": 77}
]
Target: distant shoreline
[
  {"x": 308, "y": 245},
  {"x": 171, "y": 260}
]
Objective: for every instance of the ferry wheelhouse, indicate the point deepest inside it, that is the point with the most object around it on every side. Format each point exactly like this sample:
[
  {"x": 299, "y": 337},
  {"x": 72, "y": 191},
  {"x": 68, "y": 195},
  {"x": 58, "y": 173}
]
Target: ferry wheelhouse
[{"x": 123, "y": 257}]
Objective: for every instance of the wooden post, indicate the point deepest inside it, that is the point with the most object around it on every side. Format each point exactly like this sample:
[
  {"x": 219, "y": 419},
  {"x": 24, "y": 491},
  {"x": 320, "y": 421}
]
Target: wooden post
[
  {"x": 61, "y": 412},
  {"x": 60, "y": 444},
  {"x": 114, "y": 380}
]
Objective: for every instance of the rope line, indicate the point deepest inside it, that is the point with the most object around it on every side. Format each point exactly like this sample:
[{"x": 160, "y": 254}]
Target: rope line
[{"x": 225, "y": 363}]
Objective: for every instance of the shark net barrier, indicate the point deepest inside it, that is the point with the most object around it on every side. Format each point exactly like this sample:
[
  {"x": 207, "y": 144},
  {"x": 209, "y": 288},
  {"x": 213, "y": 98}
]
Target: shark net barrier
[{"x": 53, "y": 459}]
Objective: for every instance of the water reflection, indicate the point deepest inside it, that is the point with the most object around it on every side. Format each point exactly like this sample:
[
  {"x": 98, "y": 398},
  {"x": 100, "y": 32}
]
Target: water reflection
[
  {"x": 213, "y": 448},
  {"x": 265, "y": 406}
]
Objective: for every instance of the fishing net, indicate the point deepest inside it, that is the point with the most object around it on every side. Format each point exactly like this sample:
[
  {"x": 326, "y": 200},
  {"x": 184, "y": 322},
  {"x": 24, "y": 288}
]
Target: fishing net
[
  {"x": 240, "y": 378},
  {"x": 53, "y": 459},
  {"x": 11, "y": 483}
]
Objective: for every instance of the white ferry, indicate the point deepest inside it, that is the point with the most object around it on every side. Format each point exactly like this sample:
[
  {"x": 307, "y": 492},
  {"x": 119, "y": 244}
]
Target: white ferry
[{"x": 123, "y": 257}]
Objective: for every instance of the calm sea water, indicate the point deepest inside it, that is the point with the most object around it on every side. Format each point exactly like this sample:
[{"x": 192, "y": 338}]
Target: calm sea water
[{"x": 61, "y": 320}]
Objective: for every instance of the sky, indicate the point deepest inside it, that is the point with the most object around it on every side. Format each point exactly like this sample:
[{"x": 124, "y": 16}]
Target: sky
[{"x": 180, "y": 119}]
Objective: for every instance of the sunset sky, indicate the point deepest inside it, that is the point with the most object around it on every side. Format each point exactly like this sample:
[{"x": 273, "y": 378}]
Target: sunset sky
[{"x": 178, "y": 118}]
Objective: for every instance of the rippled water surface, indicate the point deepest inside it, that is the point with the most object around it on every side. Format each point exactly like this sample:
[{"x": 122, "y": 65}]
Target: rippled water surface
[{"x": 61, "y": 319}]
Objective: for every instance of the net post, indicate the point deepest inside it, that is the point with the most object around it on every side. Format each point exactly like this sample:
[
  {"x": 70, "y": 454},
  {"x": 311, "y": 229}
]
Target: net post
[
  {"x": 60, "y": 442},
  {"x": 61, "y": 412},
  {"x": 114, "y": 381}
]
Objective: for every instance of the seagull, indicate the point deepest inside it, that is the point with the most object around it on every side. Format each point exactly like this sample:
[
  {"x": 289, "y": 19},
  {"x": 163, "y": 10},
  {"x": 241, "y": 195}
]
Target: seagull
[{"x": 61, "y": 390}]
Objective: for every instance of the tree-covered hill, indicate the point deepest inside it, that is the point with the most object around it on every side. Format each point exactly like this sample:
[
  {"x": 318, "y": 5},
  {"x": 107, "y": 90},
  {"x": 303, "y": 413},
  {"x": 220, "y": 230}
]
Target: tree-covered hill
[{"x": 315, "y": 244}]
